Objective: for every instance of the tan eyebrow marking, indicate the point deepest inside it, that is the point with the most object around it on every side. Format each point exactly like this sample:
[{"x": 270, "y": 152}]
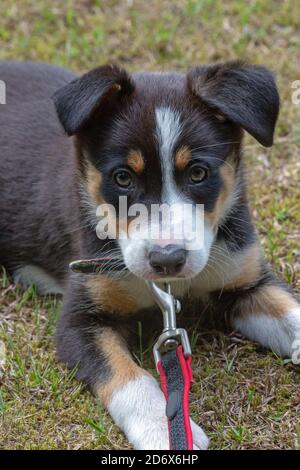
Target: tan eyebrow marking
[
  {"x": 228, "y": 176},
  {"x": 183, "y": 157},
  {"x": 136, "y": 161}
]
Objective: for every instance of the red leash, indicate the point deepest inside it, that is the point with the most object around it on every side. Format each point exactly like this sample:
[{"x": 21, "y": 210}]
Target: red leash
[
  {"x": 172, "y": 353},
  {"x": 173, "y": 357},
  {"x": 176, "y": 377}
]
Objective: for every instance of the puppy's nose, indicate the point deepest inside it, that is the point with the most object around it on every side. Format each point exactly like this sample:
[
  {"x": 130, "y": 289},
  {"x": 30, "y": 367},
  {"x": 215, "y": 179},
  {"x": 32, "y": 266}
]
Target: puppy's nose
[{"x": 167, "y": 260}]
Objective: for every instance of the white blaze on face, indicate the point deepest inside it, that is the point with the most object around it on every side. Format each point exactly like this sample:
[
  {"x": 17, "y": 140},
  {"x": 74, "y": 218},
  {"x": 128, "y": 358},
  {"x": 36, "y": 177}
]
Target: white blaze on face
[{"x": 168, "y": 129}]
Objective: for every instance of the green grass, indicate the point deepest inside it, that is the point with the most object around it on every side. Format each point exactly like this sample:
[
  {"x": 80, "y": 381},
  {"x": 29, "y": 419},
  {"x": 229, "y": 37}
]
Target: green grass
[{"x": 244, "y": 396}]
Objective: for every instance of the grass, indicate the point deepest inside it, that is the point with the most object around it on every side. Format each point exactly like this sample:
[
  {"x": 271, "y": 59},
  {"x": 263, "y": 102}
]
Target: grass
[{"x": 244, "y": 396}]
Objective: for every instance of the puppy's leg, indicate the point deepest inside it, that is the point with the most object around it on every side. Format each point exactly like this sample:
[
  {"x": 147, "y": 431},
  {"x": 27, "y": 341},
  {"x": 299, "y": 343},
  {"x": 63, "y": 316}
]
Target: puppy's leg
[
  {"x": 136, "y": 403},
  {"x": 87, "y": 340},
  {"x": 270, "y": 315}
]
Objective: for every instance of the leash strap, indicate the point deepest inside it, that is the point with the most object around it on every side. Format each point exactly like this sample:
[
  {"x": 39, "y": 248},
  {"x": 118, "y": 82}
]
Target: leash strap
[
  {"x": 174, "y": 368},
  {"x": 176, "y": 377}
]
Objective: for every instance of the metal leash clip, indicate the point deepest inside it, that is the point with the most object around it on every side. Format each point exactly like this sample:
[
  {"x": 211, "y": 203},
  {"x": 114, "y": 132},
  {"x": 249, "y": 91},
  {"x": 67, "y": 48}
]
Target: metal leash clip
[{"x": 171, "y": 337}]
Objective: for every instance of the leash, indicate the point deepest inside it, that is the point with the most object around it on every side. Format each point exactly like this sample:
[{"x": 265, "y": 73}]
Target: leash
[{"x": 172, "y": 355}]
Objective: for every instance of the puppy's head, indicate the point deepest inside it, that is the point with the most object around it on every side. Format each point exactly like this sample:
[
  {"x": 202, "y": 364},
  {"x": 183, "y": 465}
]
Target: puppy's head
[{"x": 167, "y": 139}]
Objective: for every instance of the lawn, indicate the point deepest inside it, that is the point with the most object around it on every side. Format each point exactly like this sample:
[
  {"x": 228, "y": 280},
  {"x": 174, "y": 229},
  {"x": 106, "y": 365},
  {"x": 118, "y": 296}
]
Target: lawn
[{"x": 244, "y": 397}]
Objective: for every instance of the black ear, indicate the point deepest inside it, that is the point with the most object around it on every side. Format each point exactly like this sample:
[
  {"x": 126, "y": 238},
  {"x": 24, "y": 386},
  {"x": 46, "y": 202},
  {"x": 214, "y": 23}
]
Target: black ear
[
  {"x": 77, "y": 101},
  {"x": 245, "y": 94}
]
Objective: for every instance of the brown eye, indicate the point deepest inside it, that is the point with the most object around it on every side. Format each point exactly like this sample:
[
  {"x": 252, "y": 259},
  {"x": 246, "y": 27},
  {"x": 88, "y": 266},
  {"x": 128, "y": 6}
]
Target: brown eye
[
  {"x": 198, "y": 174},
  {"x": 123, "y": 178}
]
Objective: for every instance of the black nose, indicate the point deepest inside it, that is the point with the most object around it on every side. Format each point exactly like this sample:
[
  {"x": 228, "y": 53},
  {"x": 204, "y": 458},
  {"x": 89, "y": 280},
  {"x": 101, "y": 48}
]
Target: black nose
[{"x": 168, "y": 260}]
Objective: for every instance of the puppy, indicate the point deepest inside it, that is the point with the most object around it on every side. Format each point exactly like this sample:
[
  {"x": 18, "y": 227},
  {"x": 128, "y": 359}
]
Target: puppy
[{"x": 152, "y": 138}]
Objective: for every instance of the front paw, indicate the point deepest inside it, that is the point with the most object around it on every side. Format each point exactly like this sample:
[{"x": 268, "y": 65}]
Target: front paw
[
  {"x": 153, "y": 435},
  {"x": 139, "y": 409},
  {"x": 200, "y": 439}
]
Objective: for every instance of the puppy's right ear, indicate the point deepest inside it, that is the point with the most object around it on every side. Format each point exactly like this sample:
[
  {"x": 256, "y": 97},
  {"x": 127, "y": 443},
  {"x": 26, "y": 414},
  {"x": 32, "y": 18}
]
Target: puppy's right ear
[{"x": 78, "y": 101}]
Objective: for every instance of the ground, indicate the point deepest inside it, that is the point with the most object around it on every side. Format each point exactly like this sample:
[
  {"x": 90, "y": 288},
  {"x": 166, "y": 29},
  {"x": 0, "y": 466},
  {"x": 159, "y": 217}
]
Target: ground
[{"x": 244, "y": 397}]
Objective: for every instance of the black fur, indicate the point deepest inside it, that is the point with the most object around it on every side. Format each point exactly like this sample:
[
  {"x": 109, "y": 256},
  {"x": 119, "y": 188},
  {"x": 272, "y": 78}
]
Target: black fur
[
  {"x": 78, "y": 101},
  {"x": 245, "y": 94},
  {"x": 44, "y": 216}
]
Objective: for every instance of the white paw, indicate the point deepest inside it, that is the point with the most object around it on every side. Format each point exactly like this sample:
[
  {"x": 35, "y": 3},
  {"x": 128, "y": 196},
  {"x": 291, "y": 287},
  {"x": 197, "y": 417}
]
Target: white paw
[
  {"x": 155, "y": 436},
  {"x": 139, "y": 409},
  {"x": 277, "y": 333},
  {"x": 200, "y": 439},
  {"x": 149, "y": 434}
]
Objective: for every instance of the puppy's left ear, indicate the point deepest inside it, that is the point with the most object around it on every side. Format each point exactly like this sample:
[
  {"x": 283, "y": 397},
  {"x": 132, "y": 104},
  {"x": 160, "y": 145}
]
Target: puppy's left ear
[
  {"x": 81, "y": 100},
  {"x": 245, "y": 94}
]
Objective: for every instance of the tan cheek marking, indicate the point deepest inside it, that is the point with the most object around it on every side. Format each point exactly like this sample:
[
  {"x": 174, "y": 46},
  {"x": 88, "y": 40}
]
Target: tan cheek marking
[
  {"x": 227, "y": 173},
  {"x": 111, "y": 295},
  {"x": 94, "y": 181},
  {"x": 250, "y": 269},
  {"x": 123, "y": 368},
  {"x": 182, "y": 158},
  {"x": 136, "y": 161},
  {"x": 118, "y": 226}
]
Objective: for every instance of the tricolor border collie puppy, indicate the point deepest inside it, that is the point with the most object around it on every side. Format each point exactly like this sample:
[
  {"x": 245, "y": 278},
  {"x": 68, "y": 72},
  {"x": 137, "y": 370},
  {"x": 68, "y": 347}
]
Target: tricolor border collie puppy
[{"x": 154, "y": 138}]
